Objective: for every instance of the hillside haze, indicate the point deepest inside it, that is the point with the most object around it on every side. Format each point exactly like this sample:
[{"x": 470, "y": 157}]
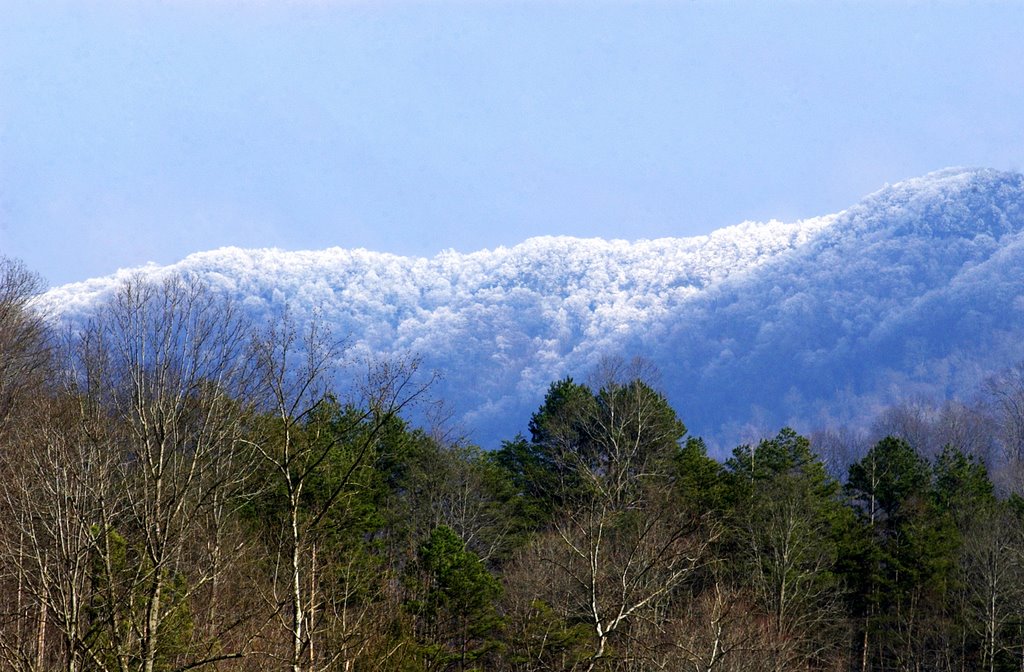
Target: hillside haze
[{"x": 918, "y": 290}]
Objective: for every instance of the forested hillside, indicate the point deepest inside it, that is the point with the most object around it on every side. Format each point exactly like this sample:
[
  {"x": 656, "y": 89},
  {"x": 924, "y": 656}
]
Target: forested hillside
[
  {"x": 185, "y": 487},
  {"x": 914, "y": 291}
]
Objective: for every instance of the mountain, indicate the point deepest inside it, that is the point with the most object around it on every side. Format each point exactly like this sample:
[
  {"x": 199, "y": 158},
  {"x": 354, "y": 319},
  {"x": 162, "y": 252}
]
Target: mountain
[{"x": 918, "y": 290}]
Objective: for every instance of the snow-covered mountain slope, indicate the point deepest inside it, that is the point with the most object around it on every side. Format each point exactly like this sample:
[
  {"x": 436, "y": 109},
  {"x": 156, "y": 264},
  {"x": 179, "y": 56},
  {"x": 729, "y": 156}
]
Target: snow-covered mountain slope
[{"x": 918, "y": 289}]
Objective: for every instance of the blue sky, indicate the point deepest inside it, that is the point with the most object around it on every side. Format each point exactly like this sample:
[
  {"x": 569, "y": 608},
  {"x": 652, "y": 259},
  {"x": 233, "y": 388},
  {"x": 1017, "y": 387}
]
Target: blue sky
[{"x": 143, "y": 131}]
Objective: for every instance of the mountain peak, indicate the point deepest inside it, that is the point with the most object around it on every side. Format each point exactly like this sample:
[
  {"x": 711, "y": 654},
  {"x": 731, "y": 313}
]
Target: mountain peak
[
  {"x": 947, "y": 182},
  {"x": 962, "y": 202}
]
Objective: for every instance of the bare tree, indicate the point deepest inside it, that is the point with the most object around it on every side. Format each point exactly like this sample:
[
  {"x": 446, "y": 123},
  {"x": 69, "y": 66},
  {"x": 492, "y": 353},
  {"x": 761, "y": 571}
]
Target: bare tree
[
  {"x": 449, "y": 485},
  {"x": 125, "y": 459},
  {"x": 626, "y": 544},
  {"x": 299, "y": 370},
  {"x": 839, "y": 447},
  {"x": 911, "y": 421},
  {"x": 22, "y": 358},
  {"x": 791, "y": 563},
  {"x": 990, "y": 563},
  {"x": 714, "y": 631},
  {"x": 59, "y": 493},
  {"x": 168, "y": 362},
  {"x": 969, "y": 428},
  {"x": 24, "y": 339},
  {"x": 1005, "y": 393}
]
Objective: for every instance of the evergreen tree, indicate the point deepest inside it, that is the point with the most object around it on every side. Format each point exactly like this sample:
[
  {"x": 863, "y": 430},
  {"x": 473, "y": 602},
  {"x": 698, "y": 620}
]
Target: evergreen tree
[
  {"x": 457, "y": 623},
  {"x": 900, "y": 566},
  {"x": 786, "y": 523}
]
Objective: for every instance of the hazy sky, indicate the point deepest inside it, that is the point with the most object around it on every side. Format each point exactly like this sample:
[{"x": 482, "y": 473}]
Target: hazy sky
[{"x": 142, "y": 131}]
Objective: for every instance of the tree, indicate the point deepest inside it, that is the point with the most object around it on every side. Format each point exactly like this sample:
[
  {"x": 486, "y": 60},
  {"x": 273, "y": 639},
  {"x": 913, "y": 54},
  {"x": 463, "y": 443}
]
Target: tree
[
  {"x": 698, "y": 479},
  {"x": 788, "y": 520},
  {"x": 168, "y": 363},
  {"x": 1005, "y": 392},
  {"x": 25, "y": 375},
  {"x": 468, "y": 490},
  {"x": 989, "y": 572},
  {"x": 456, "y": 618},
  {"x": 538, "y": 484},
  {"x": 318, "y": 453},
  {"x": 621, "y": 544},
  {"x": 549, "y": 467},
  {"x": 991, "y": 575},
  {"x": 58, "y": 487},
  {"x": 24, "y": 338},
  {"x": 900, "y": 568}
]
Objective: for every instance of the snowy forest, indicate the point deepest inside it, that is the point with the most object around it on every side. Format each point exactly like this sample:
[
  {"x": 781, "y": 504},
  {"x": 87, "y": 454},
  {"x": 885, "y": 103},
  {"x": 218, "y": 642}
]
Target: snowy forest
[
  {"x": 184, "y": 488},
  {"x": 913, "y": 292}
]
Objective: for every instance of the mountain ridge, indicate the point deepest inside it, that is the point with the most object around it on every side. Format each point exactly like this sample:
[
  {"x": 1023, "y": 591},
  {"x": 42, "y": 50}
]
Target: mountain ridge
[{"x": 832, "y": 316}]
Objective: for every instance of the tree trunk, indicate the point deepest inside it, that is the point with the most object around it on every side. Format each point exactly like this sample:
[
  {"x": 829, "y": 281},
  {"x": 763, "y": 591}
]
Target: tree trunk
[
  {"x": 864, "y": 646},
  {"x": 311, "y": 616},
  {"x": 41, "y": 634},
  {"x": 149, "y": 645},
  {"x": 297, "y": 615}
]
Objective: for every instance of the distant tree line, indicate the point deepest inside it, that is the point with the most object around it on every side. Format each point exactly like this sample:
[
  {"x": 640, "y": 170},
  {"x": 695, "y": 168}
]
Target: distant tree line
[{"x": 181, "y": 489}]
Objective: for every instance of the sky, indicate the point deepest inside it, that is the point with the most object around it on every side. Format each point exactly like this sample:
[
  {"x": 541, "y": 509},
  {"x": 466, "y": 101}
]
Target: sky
[{"x": 143, "y": 131}]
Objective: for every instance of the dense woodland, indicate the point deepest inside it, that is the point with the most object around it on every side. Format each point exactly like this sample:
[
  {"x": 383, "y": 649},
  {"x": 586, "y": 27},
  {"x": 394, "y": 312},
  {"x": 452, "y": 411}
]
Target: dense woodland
[{"x": 182, "y": 489}]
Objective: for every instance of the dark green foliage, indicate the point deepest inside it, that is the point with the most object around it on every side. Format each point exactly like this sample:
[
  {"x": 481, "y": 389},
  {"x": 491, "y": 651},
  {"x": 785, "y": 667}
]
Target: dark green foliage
[
  {"x": 901, "y": 567},
  {"x": 786, "y": 527},
  {"x": 461, "y": 487},
  {"x": 889, "y": 482},
  {"x": 560, "y": 443},
  {"x": 559, "y": 420},
  {"x": 636, "y": 434},
  {"x": 535, "y": 477},
  {"x": 542, "y": 638},
  {"x": 457, "y": 624},
  {"x": 587, "y": 444},
  {"x": 699, "y": 480},
  {"x": 961, "y": 482},
  {"x": 348, "y": 487},
  {"x": 348, "y": 465},
  {"x": 786, "y": 456},
  {"x": 622, "y": 538}
]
